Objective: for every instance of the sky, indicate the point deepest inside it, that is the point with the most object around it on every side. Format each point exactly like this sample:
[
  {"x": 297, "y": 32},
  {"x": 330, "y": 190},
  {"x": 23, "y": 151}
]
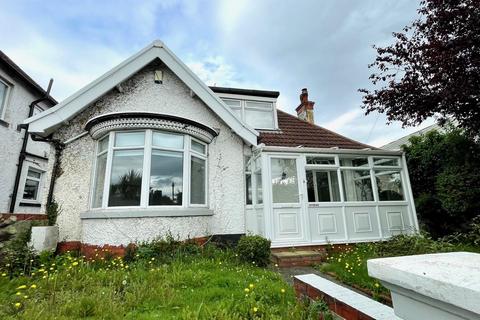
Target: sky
[{"x": 281, "y": 45}]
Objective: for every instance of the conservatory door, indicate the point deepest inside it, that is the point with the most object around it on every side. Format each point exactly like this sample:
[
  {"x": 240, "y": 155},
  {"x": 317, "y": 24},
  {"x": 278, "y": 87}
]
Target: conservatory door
[{"x": 287, "y": 209}]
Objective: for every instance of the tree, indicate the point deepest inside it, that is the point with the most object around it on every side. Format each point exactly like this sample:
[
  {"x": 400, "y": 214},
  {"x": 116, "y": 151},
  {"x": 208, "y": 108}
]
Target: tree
[
  {"x": 444, "y": 173},
  {"x": 432, "y": 69}
]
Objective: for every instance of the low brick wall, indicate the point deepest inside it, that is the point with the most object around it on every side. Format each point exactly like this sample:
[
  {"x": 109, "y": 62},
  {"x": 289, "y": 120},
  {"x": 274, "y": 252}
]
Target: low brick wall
[
  {"x": 24, "y": 216},
  {"x": 349, "y": 312}
]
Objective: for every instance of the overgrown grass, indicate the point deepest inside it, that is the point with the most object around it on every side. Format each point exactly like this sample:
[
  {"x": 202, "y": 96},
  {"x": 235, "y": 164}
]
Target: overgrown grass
[
  {"x": 209, "y": 284},
  {"x": 350, "y": 265}
]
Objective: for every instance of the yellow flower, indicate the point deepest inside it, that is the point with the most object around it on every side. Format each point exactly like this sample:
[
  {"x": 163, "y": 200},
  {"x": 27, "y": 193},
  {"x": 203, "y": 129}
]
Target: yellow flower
[
  {"x": 153, "y": 259},
  {"x": 22, "y": 287},
  {"x": 25, "y": 297},
  {"x": 255, "y": 309},
  {"x": 377, "y": 285},
  {"x": 18, "y": 293},
  {"x": 33, "y": 273},
  {"x": 4, "y": 274},
  {"x": 246, "y": 290},
  {"x": 251, "y": 285},
  {"x": 18, "y": 305},
  {"x": 282, "y": 290},
  {"x": 75, "y": 263},
  {"x": 33, "y": 286}
]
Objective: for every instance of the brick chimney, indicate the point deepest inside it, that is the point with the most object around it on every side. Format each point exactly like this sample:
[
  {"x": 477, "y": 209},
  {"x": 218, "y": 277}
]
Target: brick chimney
[{"x": 305, "y": 109}]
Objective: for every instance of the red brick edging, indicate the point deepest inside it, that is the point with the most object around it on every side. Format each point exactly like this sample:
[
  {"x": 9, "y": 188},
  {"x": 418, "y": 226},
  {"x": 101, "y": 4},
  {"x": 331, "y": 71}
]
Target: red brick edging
[
  {"x": 25, "y": 216},
  {"x": 304, "y": 290}
]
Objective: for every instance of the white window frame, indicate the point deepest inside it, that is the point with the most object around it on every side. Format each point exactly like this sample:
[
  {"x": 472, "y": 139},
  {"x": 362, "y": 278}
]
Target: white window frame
[
  {"x": 4, "y": 104},
  {"x": 248, "y": 164},
  {"x": 147, "y": 148},
  {"x": 370, "y": 167},
  {"x": 243, "y": 102},
  {"x": 40, "y": 185}
]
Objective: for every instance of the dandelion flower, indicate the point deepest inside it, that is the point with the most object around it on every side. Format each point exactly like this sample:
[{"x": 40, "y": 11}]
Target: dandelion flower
[
  {"x": 75, "y": 263},
  {"x": 33, "y": 286},
  {"x": 22, "y": 287},
  {"x": 25, "y": 297},
  {"x": 246, "y": 290},
  {"x": 18, "y": 293},
  {"x": 377, "y": 285},
  {"x": 255, "y": 309},
  {"x": 18, "y": 305},
  {"x": 4, "y": 274},
  {"x": 282, "y": 290},
  {"x": 251, "y": 285}
]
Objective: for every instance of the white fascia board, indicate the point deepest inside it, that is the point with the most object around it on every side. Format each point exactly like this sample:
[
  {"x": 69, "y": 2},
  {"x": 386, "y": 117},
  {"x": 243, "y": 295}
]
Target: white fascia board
[
  {"x": 379, "y": 152},
  {"x": 46, "y": 122}
]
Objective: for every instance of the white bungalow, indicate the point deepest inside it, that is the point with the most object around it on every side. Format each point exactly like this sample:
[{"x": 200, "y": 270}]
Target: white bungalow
[{"x": 148, "y": 149}]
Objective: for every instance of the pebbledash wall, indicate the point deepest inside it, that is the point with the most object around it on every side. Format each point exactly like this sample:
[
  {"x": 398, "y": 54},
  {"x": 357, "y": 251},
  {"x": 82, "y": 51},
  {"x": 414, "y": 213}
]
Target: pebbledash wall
[{"x": 173, "y": 97}]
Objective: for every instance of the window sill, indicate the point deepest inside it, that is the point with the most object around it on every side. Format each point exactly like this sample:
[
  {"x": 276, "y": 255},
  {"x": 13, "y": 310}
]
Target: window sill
[
  {"x": 30, "y": 204},
  {"x": 145, "y": 213}
]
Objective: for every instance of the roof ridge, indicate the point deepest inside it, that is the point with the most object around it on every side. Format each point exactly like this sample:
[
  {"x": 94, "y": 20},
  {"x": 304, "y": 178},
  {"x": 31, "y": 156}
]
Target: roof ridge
[{"x": 323, "y": 128}]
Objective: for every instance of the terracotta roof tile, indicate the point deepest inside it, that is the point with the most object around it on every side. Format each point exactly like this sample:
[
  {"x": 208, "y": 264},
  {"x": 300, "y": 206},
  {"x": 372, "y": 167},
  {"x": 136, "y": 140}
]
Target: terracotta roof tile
[{"x": 295, "y": 132}]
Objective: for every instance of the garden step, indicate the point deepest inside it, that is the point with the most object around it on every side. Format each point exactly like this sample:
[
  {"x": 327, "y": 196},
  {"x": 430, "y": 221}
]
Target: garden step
[{"x": 298, "y": 258}]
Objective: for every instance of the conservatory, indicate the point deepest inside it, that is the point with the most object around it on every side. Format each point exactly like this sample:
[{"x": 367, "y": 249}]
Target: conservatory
[{"x": 308, "y": 196}]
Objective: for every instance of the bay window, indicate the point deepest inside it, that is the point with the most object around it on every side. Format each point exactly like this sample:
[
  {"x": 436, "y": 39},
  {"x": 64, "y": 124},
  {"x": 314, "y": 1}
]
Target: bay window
[{"x": 149, "y": 168}]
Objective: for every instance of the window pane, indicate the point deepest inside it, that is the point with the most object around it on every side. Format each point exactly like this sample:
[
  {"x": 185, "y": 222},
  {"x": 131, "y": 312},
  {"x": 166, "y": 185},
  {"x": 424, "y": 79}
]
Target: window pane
[
  {"x": 259, "y": 119},
  {"x": 258, "y": 104},
  {"x": 34, "y": 174},
  {"x": 197, "y": 181},
  {"x": 322, "y": 186},
  {"x": 129, "y": 139},
  {"x": 258, "y": 187},
  {"x": 320, "y": 160},
  {"x": 385, "y": 162},
  {"x": 248, "y": 188},
  {"x": 389, "y": 184},
  {"x": 357, "y": 185},
  {"x": 31, "y": 189},
  {"x": 3, "y": 95},
  {"x": 166, "y": 140},
  {"x": 126, "y": 178},
  {"x": 166, "y": 178},
  {"x": 99, "y": 181},
  {"x": 198, "y": 147},
  {"x": 353, "y": 161},
  {"x": 284, "y": 181},
  {"x": 232, "y": 103},
  {"x": 103, "y": 144}
]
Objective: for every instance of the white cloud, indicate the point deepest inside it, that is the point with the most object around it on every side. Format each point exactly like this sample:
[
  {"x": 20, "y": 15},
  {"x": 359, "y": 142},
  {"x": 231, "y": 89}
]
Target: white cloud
[{"x": 343, "y": 120}]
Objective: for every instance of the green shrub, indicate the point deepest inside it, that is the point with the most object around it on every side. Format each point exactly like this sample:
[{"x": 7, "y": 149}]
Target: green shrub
[
  {"x": 17, "y": 255},
  {"x": 53, "y": 210},
  {"x": 165, "y": 249},
  {"x": 404, "y": 245},
  {"x": 254, "y": 249},
  {"x": 470, "y": 237}
]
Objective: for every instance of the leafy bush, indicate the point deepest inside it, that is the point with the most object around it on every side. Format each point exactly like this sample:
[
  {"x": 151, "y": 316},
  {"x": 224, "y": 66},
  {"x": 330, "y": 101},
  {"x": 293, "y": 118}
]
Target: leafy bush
[
  {"x": 17, "y": 255},
  {"x": 444, "y": 173},
  {"x": 254, "y": 249},
  {"x": 470, "y": 237},
  {"x": 404, "y": 245},
  {"x": 53, "y": 210},
  {"x": 165, "y": 249}
]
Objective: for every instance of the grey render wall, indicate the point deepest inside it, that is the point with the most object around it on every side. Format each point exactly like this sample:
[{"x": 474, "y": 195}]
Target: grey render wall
[
  {"x": 140, "y": 93},
  {"x": 17, "y": 108}
]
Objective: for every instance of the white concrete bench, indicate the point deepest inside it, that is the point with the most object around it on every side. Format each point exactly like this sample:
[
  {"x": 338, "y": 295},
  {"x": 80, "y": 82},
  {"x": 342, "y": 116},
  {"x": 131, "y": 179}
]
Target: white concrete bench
[{"x": 341, "y": 300}]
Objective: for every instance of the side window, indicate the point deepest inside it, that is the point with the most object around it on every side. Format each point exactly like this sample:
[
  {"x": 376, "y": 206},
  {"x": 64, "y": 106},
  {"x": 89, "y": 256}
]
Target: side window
[
  {"x": 32, "y": 185},
  {"x": 4, "y": 89}
]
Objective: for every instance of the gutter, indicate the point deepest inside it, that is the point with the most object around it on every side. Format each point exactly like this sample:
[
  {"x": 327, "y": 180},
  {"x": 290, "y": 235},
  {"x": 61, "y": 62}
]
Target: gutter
[
  {"x": 23, "y": 150},
  {"x": 300, "y": 149}
]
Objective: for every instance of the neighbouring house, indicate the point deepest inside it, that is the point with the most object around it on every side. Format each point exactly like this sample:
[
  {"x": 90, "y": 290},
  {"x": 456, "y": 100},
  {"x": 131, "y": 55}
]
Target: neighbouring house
[
  {"x": 148, "y": 149},
  {"x": 396, "y": 145},
  {"x": 23, "y": 162}
]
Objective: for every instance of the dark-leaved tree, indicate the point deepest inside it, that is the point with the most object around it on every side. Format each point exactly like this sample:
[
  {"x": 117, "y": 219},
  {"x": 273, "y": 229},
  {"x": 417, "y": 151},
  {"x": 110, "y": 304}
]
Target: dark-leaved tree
[
  {"x": 444, "y": 171},
  {"x": 432, "y": 69}
]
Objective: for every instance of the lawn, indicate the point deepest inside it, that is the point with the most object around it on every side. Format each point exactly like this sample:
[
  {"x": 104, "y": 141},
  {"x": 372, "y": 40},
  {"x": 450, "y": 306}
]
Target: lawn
[
  {"x": 211, "y": 284},
  {"x": 350, "y": 265}
]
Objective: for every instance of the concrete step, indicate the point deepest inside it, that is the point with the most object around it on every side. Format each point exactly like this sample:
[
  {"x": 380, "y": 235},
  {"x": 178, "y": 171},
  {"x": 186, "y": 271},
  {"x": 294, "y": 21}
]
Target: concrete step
[{"x": 295, "y": 258}]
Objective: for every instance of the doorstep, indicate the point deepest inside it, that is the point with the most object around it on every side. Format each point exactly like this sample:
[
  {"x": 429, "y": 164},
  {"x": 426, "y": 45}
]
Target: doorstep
[{"x": 296, "y": 258}]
